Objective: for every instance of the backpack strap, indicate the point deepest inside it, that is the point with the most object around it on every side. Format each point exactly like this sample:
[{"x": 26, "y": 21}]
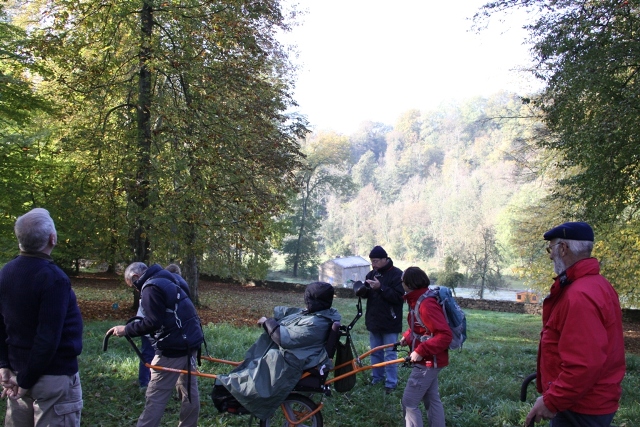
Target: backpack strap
[
  {"x": 414, "y": 317},
  {"x": 174, "y": 300},
  {"x": 431, "y": 293}
]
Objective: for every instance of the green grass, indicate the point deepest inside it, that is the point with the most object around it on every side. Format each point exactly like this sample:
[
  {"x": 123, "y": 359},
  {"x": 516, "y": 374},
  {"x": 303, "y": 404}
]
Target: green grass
[{"x": 481, "y": 386}]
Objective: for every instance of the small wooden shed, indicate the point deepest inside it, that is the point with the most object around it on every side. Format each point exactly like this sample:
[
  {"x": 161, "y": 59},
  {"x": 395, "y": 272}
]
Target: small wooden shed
[
  {"x": 526, "y": 296},
  {"x": 339, "y": 271}
]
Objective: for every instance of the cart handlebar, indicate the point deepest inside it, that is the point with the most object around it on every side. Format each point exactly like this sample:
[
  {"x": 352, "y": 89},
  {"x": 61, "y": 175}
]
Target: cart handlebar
[
  {"x": 105, "y": 340},
  {"x": 523, "y": 393},
  {"x": 525, "y": 384},
  {"x": 357, "y": 316}
]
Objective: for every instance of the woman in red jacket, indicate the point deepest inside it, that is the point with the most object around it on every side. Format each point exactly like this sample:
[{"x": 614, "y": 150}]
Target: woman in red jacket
[{"x": 429, "y": 351}]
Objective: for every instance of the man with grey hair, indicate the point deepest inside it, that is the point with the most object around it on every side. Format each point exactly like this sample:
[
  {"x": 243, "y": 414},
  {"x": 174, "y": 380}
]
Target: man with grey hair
[
  {"x": 174, "y": 268},
  {"x": 581, "y": 360},
  {"x": 172, "y": 323},
  {"x": 40, "y": 331}
]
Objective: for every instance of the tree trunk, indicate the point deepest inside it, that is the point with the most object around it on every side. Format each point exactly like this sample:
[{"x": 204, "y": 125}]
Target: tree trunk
[
  {"x": 191, "y": 265},
  {"x": 296, "y": 259},
  {"x": 141, "y": 246},
  {"x": 141, "y": 192}
]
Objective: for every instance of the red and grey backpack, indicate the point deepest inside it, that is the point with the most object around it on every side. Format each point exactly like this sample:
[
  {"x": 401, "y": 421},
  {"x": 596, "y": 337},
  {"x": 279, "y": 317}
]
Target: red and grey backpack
[{"x": 452, "y": 312}]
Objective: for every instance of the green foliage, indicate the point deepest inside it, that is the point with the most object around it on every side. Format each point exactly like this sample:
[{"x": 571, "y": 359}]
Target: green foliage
[
  {"x": 484, "y": 262},
  {"x": 327, "y": 157},
  {"x": 18, "y": 100},
  {"x": 173, "y": 142},
  {"x": 446, "y": 175},
  {"x": 370, "y": 137},
  {"x": 618, "y": 248},
  {"x": 587, "y": 55},
  {"x": 450, "y": 277},
  {"x": 301, "y": 255}
]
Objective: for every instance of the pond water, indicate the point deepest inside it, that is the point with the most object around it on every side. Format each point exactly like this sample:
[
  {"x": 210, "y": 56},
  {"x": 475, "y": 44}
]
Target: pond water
[{"x": 500, "y": 295}]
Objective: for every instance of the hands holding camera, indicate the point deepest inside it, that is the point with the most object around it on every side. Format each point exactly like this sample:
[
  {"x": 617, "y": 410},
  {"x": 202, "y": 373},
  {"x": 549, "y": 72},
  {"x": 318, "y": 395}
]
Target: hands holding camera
[
  {"x": 360, "y": 288},
  {"x": 374, "y": 283}
]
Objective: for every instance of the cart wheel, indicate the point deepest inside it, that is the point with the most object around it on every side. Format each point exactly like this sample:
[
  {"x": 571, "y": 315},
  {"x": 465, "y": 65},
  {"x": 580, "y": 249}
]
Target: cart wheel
[{"x": 296, "y": 406}]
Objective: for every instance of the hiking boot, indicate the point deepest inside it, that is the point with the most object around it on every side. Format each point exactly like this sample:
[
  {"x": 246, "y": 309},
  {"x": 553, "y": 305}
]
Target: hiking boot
[{"x": 389, "y": 390}]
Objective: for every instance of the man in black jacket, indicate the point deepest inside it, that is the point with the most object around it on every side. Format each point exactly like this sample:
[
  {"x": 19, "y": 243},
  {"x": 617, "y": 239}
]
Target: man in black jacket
[
  {"x": 383, "y": 317},
  {"x": 171, "y": 321}
]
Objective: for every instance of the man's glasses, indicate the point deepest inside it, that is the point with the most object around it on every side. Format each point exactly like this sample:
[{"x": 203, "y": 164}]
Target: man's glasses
[{"x": 550, "y": 247}]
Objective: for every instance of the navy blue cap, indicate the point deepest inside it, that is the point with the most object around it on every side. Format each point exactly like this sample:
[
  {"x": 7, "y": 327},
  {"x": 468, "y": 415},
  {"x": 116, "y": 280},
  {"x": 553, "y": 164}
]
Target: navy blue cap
[{"x": 570, "y": 231}]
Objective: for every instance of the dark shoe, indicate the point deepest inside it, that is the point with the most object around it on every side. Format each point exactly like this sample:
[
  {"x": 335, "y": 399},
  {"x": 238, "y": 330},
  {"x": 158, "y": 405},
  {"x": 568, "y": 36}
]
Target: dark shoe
[{"x": 389, "y": 390}]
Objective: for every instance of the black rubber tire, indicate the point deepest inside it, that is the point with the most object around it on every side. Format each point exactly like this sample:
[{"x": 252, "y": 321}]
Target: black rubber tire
[{"x": 297, "y": 406}]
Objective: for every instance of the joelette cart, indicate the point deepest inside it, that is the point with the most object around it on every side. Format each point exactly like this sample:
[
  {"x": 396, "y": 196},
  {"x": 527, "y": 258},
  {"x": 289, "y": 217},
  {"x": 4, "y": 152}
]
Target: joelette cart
[{"x": 303, "y": 405}]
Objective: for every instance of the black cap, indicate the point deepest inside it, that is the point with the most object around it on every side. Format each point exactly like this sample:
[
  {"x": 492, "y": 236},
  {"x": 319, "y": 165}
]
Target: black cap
[
  {"x": 378, "y": 252},
  {"x": 571, "y": 231}
]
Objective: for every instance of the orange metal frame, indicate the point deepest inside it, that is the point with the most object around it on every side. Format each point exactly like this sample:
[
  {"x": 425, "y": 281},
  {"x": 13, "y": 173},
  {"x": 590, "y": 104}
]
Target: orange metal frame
[{"x": 355, "y": 365}]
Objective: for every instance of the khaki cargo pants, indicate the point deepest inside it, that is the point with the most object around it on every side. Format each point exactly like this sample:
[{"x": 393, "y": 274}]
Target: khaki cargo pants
[{"x": 55, "y": 400}]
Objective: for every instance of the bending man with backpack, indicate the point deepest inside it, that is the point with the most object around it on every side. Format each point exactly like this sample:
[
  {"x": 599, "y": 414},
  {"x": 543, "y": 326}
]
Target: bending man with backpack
[
  {"x": 171, "y": 321},
  {"x": 429, "y": 341}
]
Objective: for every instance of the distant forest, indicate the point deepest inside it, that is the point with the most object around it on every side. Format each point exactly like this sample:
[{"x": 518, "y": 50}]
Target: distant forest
[
  {"x": 444, "y": 189},
  {"x": 468, "y": 190}
]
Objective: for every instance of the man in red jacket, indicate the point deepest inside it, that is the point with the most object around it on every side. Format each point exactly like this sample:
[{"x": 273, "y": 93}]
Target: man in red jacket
[{"x": 581, "y": 360}]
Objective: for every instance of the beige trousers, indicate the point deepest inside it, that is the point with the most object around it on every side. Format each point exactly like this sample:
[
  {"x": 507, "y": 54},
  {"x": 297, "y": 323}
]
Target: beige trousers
[
  {"x": 55, "y": 400},
  {"x": 160, "y": 390}
]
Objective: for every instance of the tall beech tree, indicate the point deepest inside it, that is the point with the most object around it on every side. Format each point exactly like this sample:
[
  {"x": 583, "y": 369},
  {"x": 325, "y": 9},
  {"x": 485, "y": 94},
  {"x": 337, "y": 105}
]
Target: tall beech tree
[{"x": 177, "y": 111}]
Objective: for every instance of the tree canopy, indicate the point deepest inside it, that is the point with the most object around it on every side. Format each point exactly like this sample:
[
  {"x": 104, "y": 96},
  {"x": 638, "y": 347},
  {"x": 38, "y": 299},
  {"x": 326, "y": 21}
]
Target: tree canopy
[
  {"x": 171, "y": 137},
  {"x": 587, "y": 54}
]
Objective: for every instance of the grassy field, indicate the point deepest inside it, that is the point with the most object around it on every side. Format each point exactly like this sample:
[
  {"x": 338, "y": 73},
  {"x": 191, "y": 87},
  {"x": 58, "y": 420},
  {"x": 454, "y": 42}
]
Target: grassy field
[{"x": 481, "y": 387}]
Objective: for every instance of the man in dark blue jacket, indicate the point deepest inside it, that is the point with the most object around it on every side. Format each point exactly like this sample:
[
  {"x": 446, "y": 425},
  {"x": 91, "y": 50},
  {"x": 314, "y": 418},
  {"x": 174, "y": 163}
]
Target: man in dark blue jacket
[
  {"x": 40, "y": 331},
  {"x": 172, "y": 323}
]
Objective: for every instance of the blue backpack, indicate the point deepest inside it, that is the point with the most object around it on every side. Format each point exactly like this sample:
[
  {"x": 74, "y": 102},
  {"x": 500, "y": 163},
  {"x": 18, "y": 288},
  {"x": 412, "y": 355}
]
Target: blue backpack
[{"x": 452, "y": 312}]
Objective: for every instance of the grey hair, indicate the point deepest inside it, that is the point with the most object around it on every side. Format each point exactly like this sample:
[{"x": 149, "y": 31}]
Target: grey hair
[
  {"x": 134, "y": 269},
  {"x": 579, "y": 247},
  {"x": 33, "y": 230},
  {"x": 174, "y": 268}
]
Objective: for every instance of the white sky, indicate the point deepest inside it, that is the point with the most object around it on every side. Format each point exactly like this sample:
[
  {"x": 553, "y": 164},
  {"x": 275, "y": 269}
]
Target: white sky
[{"x": 373, "y": 60}]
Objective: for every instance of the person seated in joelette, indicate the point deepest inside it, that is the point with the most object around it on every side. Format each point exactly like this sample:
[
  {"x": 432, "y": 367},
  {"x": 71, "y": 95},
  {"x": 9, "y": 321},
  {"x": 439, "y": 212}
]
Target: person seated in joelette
[{"x": 293, "y": 341}]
